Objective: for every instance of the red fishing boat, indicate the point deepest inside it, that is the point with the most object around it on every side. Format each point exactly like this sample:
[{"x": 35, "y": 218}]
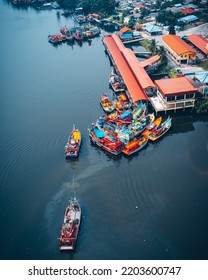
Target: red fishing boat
[
  {"x": 107, "y": 141},
  {"x": 70, "y": 226}
]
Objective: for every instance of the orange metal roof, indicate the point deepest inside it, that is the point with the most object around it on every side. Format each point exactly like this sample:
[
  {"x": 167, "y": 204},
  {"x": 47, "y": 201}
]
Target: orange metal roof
[
  {"x": 175, "y": 86},
  {"x": 124, "y": 29},
  {"x": 150, "y": 60},
  {"x": 200, "y": 42},
  {"x": 139, "y": 72},
  {"x": 177, "y": 44},
  {"x": 129, "y": 79}
]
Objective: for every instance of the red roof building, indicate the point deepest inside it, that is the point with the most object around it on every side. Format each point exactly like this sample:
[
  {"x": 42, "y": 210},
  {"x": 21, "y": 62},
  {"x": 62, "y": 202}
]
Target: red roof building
[
  {"x": 115, "y": 49},
  {"x": 188, "y": 11},
  {"x": 200, "y": 42},
  {"x": 180, "y": 86}
]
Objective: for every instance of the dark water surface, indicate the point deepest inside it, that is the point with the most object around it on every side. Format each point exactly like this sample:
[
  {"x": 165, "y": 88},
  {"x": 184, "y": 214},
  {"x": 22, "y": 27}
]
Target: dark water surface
[{"x": 150, "y": 206}]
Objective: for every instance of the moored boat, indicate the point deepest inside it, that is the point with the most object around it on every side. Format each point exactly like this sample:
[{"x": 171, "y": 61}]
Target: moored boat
[
  {"x": 55, "y": 39},
  {"x": 106, "y": 104},
  {"x": 107, "y": 141},
  {"x": 152, "y": 126},
  {"x": 70, "y": 226},
  {"x": 139, "y": 111},
  {"x": 135, "y": 145},
  {"x": 160, "y": 130},
  {"x": 116, "y": 82},
  {"x": 73, "y": 145}
]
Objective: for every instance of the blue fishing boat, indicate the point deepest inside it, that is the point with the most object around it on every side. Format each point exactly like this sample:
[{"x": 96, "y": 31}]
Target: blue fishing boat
[{"x": 139, "y": 111}]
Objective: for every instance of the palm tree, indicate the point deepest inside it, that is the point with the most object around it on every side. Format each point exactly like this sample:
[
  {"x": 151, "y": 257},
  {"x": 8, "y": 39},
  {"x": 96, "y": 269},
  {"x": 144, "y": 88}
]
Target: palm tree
[
  {"x": 161, "y": 52},
  {"x": 153, "y": 46}
]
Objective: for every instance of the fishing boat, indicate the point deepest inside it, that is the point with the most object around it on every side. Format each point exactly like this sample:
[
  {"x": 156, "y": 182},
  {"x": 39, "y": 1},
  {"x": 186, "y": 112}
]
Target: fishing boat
[
  {"x": 91, "y": 32},
  {"x": 106, "y": 104},
  {"x": 106, "y": 141},
  {"x": 116, "y": 82},
  {"x": 111, "y": 118},
  {"x": 70, "y": 226},
  {"x": 160, "y": 130},
  {"x": 55, "y": 39},
  {"x": 139, "y": 111},
  {"x": 78, "y": 36},
  {"x": 152, "y": 126},
  {"x": 125, "y": 118},
  {"x": 135, "y": 145},
  {"x": 66, "y": 34},
  {"x": 73, "y": 144},
  {"x": 138, "y": 126}
]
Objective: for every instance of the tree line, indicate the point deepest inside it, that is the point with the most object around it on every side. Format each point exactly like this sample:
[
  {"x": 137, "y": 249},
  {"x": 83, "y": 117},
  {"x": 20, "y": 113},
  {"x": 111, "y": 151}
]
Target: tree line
[{"x": 104, "y": 7}]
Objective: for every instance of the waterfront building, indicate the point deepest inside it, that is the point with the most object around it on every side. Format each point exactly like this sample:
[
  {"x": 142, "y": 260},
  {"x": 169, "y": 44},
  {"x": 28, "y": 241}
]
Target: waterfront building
[
  {"x": 173, "y": 94},
  {"x": 178, "y": 49},
  {"x": 125, "y": 33}
]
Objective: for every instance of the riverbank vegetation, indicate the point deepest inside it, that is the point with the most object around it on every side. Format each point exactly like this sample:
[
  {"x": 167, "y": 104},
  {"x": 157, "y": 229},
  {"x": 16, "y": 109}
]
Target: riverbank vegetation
[
  {"x": 105, "y": 7},
  {"x": 201, "y": 105}
]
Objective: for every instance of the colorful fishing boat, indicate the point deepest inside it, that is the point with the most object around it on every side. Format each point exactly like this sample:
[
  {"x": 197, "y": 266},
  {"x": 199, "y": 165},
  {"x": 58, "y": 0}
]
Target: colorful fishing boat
[
  {"x": 124, "y": 118},
  {"x": 138, "y": 126},
  {"x": 70, "y": 226},
  {"x": 152, "y": 126},
  {"x": 66, "y": 34},
  {"x": 55, "y": 39},
  {"x": 135, "y": 145},
  {"x": 106, "y": 104},
  {"x": 139, "y": 111},
  {"x": 160, "y": 130},
  {"x": 108, "y": 142},
  {"x": 111, "y": 118},
  {"x": 73, "y": 145},
  {"x": 78, "y": 36}
]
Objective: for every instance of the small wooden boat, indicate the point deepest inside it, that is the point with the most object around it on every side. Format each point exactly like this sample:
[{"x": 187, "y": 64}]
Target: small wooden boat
[
  {"x": 152, "y": 126},
  {"x": 106, "y": 104},
  {"x": 70, "y": 226},
  {"x": 135, "y": 145},
  {"x": 160, "y": 130},
  {"x": 73, "y": 144}
]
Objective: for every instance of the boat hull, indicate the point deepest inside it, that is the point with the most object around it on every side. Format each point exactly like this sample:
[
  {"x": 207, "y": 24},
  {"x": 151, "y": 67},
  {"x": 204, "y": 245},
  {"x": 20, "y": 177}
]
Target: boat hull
[
  {"x": 136, "y": 149},
  {"x": 98, "y": 142},
  {"x": 72, "y": 213}
]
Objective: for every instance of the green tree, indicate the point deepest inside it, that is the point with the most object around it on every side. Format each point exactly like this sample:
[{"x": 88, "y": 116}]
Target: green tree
[{"x": 172, "y": 29}]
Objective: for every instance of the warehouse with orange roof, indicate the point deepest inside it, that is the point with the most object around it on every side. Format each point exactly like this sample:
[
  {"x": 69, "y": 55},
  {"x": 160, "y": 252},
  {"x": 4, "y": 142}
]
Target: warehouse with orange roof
[{"x": 178, "y": 49}]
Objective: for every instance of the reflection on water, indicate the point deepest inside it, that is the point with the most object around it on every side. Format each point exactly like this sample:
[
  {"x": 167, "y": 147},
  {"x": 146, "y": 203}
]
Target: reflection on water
[{"x": 148, "y": 206}]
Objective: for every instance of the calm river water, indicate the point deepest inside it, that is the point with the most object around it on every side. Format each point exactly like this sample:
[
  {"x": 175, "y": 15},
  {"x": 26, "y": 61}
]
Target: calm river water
[{"x": 150, "y": 206}]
